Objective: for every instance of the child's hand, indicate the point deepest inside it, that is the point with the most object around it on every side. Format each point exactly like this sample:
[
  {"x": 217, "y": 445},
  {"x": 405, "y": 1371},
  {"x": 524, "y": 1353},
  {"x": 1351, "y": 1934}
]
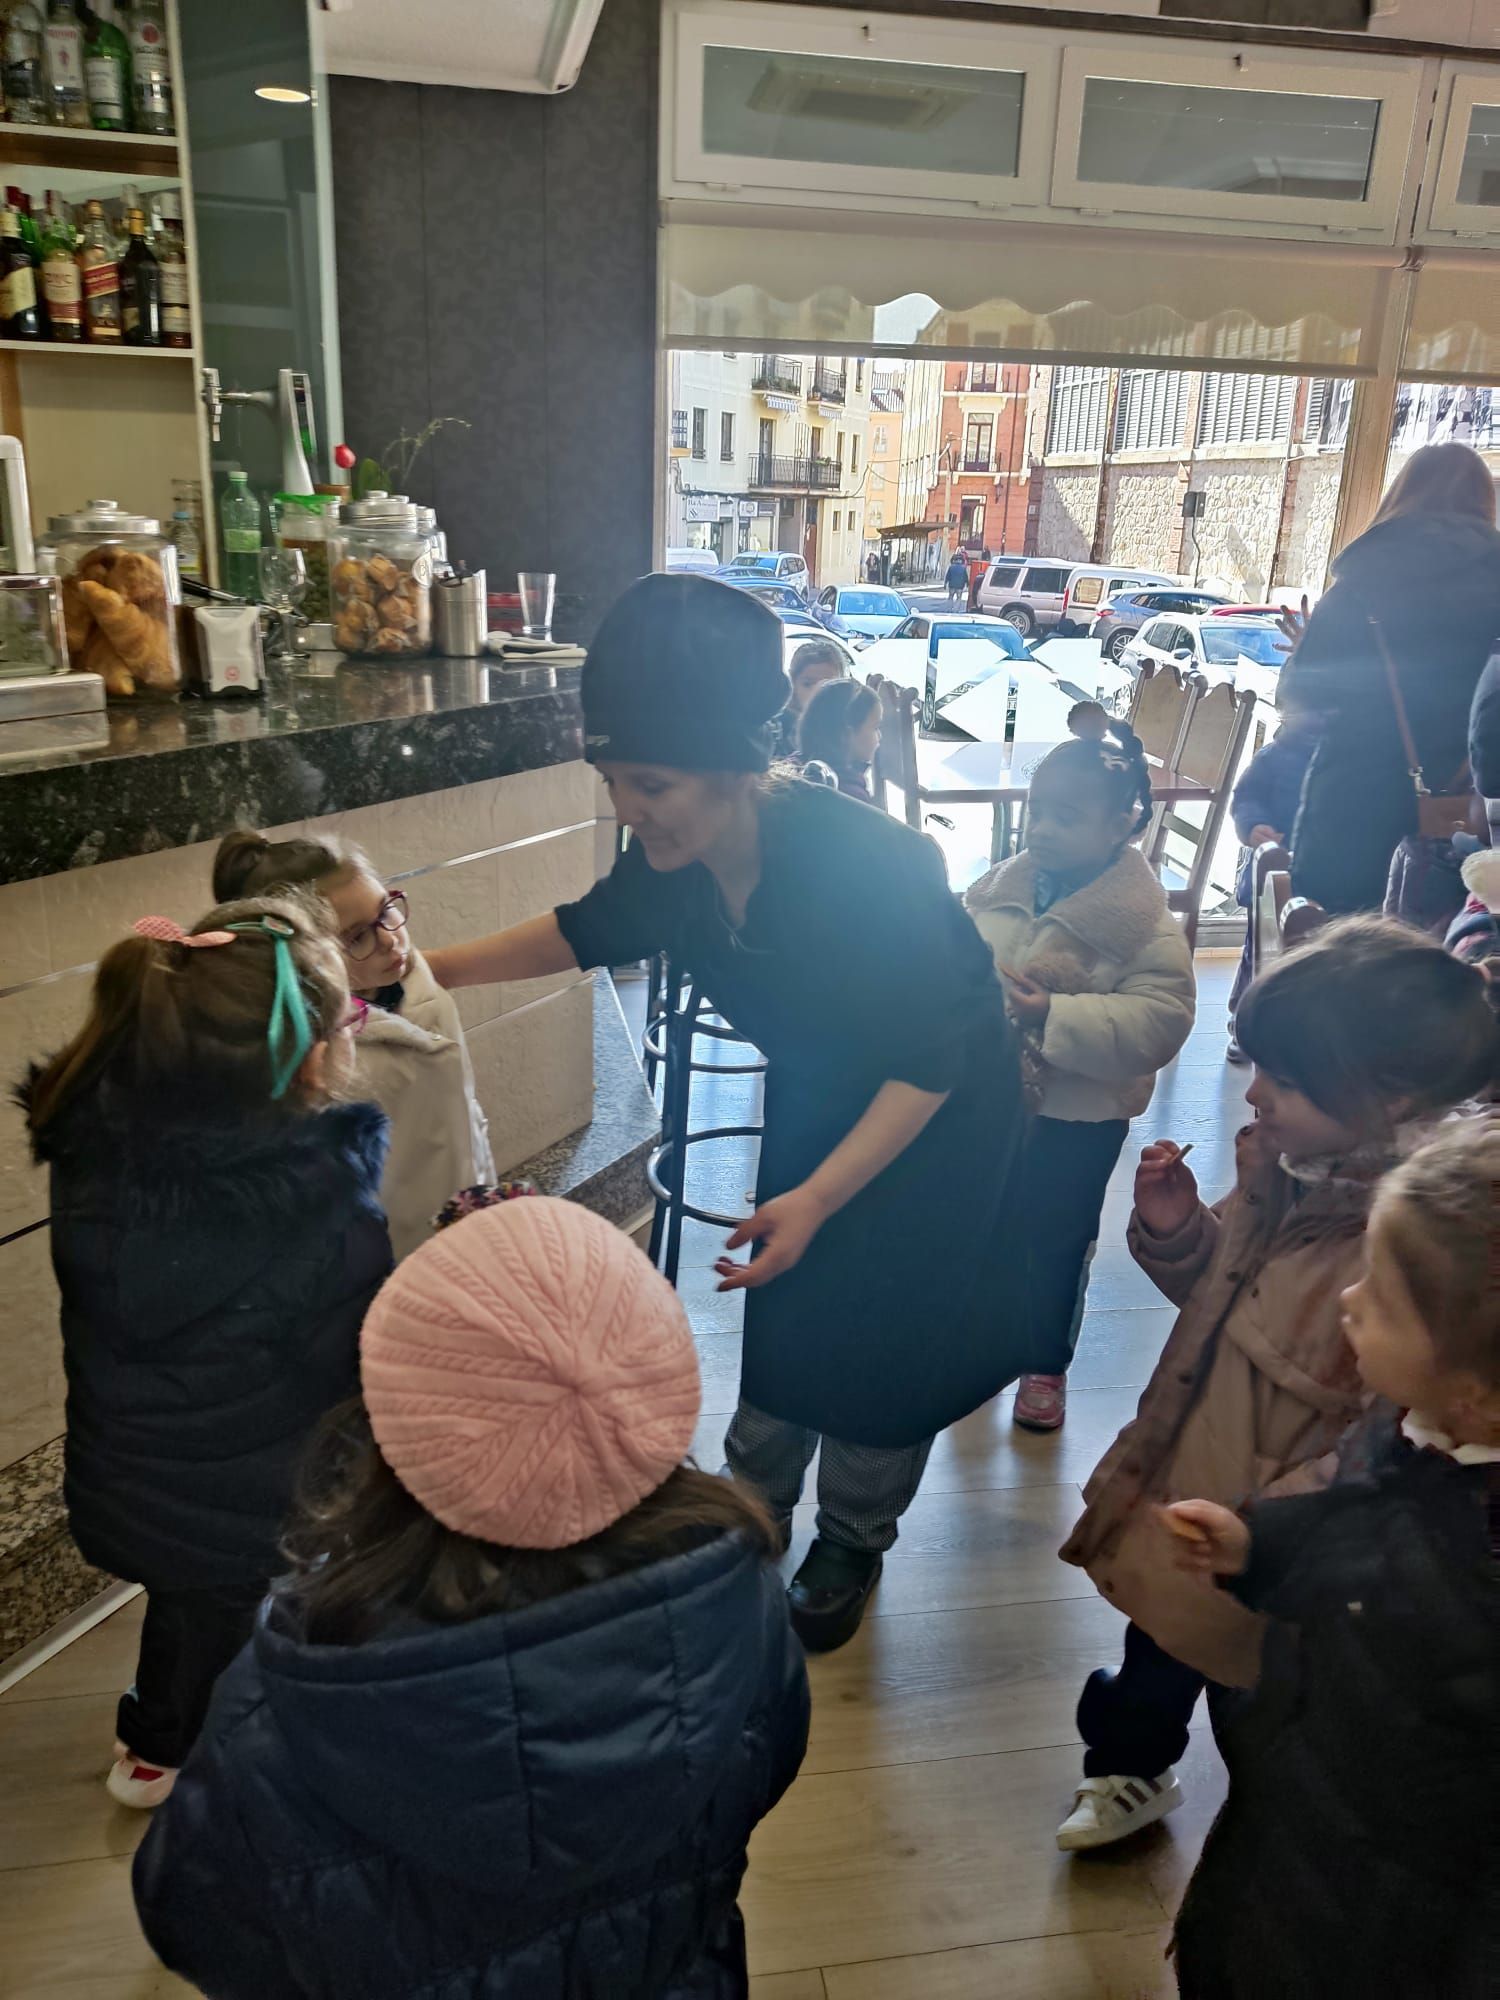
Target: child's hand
[
  {"x": 1028, "y": 1002},
  {"x": 783, "y": 1227},
  {"x": 1210, "y": 1540},
  {"x": 1166, "y": 1195},
  {"x": 1261, "y": 835}
]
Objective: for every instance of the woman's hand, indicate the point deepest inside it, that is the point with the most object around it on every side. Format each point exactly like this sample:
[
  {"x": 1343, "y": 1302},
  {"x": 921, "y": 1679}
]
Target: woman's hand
[
  {"x": 1210, "y": 1541},
  {"x": 783, "y": 1227},
  {"x": 1292, "y": 624},
  {"x": 1166, "y": 1195},
  {"x": 1028, "y": 1002},
  {"x": 1261, "y": 836}
]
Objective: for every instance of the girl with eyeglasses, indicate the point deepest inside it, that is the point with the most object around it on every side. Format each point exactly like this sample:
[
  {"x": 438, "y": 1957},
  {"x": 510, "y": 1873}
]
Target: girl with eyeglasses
[
  {"x": 217, "y": 1236},
  {"x": 412, "y": 1057}
]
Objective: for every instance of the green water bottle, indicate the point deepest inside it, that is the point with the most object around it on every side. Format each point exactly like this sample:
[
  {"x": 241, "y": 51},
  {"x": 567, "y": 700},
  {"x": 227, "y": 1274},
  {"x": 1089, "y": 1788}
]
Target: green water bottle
[{"x": 239, "y": 520}]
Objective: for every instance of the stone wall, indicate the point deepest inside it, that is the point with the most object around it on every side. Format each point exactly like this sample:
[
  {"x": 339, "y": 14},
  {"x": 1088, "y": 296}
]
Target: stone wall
[
  {"x": 1144, "y": 522},
  {"x": 1308, "y": 542},
  {"x": 1236, "y": 533},
  {"x": 1070, "y": 501}
]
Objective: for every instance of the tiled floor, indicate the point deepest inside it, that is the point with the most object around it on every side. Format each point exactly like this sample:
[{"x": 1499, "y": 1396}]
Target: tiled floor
[{"x": 914, "y": 1857}]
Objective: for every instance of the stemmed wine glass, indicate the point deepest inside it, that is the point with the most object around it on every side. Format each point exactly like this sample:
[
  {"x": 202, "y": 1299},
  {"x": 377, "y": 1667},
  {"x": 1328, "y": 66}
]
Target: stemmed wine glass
[{"x": 283, "y": 585}]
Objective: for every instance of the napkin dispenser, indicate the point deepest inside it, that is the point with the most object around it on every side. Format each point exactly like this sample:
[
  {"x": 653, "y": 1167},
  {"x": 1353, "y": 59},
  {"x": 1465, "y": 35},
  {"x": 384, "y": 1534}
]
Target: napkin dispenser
[{"x": 221, "y": 648}]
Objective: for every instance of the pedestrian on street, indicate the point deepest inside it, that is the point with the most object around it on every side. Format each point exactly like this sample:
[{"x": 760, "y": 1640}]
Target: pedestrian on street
[
  {"x": 827, "y": 933},
  {"x": 957, "y": 580}
]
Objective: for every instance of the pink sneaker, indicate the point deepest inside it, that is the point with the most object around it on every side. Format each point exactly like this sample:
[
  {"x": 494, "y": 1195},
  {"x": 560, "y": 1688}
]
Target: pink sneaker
[{"x": 1041, "y": 1402}]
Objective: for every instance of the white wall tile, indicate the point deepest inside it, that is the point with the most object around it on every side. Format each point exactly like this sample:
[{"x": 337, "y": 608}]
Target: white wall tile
[
  {"x": 25, "y": 952},
  {"x": 31, "y": 1410},
  {"x": 33, "y": 1023},
  {"x": 88, "y": 908},
  {"x": 535, "y": 1073}
]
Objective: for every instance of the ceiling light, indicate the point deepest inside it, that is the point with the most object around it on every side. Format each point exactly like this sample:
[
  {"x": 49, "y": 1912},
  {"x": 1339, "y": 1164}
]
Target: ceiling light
[{"x": 276, "y": 93}]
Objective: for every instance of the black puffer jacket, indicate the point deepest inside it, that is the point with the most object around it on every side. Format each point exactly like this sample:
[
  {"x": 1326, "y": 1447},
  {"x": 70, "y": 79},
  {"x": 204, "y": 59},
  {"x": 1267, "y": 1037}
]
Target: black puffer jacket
[
  {"x": 547, "y": 1804},
  {"x": 213, "y": 1284},
  {"x": 1357, "y": 1853},
  {"x": 1433, "y": 582}
]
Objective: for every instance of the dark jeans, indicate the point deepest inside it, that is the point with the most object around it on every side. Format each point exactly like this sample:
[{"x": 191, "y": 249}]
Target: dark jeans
[
  {"x": 188, "y": 1638},
  {"x": 1134, "y": 1723},
  {"x": 1065, "y": 1169}
]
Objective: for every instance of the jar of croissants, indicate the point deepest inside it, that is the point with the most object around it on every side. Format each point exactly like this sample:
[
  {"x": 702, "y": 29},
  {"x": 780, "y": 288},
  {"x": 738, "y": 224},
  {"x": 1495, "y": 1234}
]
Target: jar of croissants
[
  {"x": 120, "y": 590},
  {"x": 380, "y": 580}
]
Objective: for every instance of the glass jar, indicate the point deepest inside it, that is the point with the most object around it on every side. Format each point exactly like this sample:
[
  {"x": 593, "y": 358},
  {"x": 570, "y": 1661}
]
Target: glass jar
[
  {"x": 120, "y": 588},
  {"x": 437, "y": 541},
  {"x": 31, "y": 627},
  {"x": 305, "y": 521},
  {"x": 380, "y": 576}
]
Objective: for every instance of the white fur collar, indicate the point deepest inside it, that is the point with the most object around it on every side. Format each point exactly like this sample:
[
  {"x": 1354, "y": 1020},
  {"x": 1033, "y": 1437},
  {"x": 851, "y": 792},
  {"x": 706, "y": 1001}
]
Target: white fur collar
[{"x": 1114, "y": 915}]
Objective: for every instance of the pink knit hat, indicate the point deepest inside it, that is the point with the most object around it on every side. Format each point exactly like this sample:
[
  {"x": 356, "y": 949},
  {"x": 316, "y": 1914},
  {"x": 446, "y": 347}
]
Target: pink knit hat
[{"x": 529, "y": 1376}]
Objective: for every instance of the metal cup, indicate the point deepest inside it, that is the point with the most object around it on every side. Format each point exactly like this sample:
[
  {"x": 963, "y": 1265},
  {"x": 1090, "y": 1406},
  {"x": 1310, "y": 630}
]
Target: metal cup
[{"x": 460, "y": 615}]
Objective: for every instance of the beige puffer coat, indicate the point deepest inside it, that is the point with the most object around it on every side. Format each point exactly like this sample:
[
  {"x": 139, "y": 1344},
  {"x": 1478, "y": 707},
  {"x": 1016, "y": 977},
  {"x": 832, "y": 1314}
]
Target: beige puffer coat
[
  {"x": 1254, "y": 1388},
  {"x": 1118, "y": 967},
  {"x": 415, "y": 1066}
]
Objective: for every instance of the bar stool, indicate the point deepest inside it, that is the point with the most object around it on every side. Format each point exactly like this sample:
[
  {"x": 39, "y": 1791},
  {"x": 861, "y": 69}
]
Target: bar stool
[{"x": 669, "y": 1047}]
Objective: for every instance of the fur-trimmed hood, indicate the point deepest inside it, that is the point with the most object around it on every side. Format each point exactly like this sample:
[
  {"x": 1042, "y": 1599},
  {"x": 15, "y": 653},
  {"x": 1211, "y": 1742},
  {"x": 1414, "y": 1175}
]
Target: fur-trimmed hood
[{"x": 1115, "y": 915}]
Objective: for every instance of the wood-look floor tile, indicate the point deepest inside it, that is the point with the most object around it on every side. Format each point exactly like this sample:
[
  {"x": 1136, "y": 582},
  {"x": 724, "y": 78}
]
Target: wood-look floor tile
[
  {"x": 789, "y": 1986},
  {"x": 1093, "y": 1965},
  {"x": 860, "y": 1865},
  {"x": 1119, "y": 1349},
  {"x": 958, "y": 1683},
  {"x": 101, "y": 1662},
  {"x": 53, "y": 1760},
  {"x": 70, "y": 1933},
  {"x": 988, "y": 1449}
]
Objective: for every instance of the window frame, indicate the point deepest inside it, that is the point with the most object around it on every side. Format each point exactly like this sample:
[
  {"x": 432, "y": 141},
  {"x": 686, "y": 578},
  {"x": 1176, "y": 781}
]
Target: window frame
[
  {"x": 1393, "y": 85},
  {"x": 699, "y": 447},
  {"x": 1462, "y": 92}
]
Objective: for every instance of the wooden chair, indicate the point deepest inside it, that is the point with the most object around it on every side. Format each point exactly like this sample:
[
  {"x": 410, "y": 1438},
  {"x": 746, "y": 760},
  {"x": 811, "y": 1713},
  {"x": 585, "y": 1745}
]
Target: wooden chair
[
  {"x": 1159, "y": 711},
  {"x": 1208, "y": 754}
]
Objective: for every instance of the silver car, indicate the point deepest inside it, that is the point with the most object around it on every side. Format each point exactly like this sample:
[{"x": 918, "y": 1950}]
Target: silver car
[{"x": 1037, "y": 592}]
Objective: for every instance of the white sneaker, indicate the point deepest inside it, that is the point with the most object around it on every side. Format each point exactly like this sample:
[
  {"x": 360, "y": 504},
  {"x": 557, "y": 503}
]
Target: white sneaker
[
  {"x": 1111, "y": 1809},
  {"x": 132, "y": 1783}
]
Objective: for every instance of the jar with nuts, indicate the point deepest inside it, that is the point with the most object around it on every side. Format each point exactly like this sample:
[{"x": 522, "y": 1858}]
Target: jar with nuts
[{"x": 380, "y": 580}]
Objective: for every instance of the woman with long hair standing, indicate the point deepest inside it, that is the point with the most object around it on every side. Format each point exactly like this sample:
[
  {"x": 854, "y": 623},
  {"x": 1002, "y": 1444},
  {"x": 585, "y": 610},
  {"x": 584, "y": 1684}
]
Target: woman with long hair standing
[{"x": 1421, "y": 587}]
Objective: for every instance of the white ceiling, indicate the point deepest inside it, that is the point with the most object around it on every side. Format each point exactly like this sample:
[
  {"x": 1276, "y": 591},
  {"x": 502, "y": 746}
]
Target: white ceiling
[{"x": 532, "y": 45}]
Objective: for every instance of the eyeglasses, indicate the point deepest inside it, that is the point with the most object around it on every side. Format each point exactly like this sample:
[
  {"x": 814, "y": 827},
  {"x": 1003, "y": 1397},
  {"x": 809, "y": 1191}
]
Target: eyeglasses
[
  {"x": 355, "y": 1017},
  {"x": 389, "y": 922}
]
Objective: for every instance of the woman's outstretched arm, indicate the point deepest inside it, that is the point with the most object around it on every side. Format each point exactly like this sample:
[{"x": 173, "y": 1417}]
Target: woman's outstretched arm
[{"x": 525, "y": 951}]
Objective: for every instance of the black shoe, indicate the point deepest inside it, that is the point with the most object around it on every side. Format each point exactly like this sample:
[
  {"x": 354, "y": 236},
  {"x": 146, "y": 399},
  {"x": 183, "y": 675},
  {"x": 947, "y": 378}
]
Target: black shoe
[{"x": 828, "y": 1595}]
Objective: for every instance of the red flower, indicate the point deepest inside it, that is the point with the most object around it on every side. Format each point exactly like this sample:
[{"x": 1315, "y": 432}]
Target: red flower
[{"x": 344, "y": 458}]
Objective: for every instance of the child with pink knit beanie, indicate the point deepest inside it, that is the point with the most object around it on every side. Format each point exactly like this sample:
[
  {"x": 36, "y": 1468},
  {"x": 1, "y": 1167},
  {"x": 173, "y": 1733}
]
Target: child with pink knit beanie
[{"x": 509, "y": 1724}]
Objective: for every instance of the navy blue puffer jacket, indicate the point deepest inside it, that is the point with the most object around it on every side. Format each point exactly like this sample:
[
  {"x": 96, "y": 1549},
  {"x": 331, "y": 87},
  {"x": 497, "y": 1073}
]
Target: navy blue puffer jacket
[
  {"x": 543, "y": 1803},
  {"x": 213, "y": 1283}
]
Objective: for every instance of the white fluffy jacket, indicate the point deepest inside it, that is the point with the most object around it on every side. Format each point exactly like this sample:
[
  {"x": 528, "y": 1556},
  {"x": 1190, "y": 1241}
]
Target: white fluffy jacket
[
  {"x": 1120, "y": 973},
  {"x": 416, "y": 1068}
]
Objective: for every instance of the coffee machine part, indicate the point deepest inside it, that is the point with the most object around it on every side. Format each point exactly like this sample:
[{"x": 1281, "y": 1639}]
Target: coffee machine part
[{"x": 460, "y": 615}]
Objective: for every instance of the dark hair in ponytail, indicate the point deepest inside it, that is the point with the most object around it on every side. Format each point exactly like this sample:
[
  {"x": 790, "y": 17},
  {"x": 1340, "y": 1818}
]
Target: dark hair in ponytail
[
  {"x": 247, "y": 864},
  {"x": 1373, "y": 1022},
  {"x": 1117, "y": 763},
  {"x": 831, "y": 717}
]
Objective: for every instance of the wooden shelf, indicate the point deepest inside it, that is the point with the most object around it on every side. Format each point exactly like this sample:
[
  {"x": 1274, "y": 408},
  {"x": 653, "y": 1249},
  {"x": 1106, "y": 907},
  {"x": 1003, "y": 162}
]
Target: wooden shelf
[
  {"x": 35, "y": 348},
  {"x": 124, "y": 153}
]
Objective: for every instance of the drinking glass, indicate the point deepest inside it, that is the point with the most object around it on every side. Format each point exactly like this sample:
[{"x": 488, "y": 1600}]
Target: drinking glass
[
  {"x": 283, "y": 585},
  {"x": 538, "y": 591}
]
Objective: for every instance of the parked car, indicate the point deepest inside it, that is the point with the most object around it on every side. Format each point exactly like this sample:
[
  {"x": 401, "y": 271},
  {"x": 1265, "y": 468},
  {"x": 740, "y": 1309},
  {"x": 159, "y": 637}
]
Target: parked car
[
  {"x": 1037, "y": 592},
  {"x": 1211, "y": 645},
  {"x": 768, "y": 566},
  {"x": 701, "y": 562},
  {"x": 867, "y": 610},
  {"x": 1119, "y": 619}
]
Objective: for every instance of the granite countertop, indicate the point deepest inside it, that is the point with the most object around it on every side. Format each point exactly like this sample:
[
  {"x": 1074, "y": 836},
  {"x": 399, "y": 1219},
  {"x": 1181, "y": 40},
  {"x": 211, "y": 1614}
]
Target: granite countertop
[{"x": 328, "y": 736}]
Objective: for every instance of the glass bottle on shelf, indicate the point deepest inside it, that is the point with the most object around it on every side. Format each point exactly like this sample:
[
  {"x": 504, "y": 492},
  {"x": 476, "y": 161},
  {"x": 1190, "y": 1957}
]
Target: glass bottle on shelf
[
  {"x": 151, "y": 85},
  {"x": 239, "y": 522},
  {"x": 62, "y": 281},
  {"x": 25, "y": 66},
  {"x": 140, "y": 287},
  {"x": 171, "y": 254},
  {"x": 19, "y": 318},
  {"x": 64, "y": 50},
  {"x": 97, "y": 261},
  {"x": 106, "y": 69},
  {"x": 185, "y": 540}
]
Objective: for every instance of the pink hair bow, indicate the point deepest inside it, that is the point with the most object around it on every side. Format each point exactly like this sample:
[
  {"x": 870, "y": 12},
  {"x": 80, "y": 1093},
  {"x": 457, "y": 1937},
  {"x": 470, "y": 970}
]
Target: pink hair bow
[{"x": 166, "y": 931}]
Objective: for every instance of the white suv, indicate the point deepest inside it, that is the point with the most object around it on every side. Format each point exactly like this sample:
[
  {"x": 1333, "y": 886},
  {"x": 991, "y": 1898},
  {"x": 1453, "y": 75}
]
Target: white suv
[{"x": 1037, "y": 592}]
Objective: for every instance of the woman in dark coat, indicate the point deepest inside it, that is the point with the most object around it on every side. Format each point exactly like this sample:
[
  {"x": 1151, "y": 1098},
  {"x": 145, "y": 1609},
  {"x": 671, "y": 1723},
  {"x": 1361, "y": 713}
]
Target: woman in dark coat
[
  {"x": 826, "y": 932},
  {"x": 1427, "y": 569}
]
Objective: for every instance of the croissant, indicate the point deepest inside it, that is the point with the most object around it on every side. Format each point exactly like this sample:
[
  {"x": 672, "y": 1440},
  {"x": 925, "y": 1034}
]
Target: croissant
[
  {"x": 78, "y": 620},
  {"x": 137, "y": 577},
  {"x": 99, "y": 657},
  {"x": 140, "y": 641}
]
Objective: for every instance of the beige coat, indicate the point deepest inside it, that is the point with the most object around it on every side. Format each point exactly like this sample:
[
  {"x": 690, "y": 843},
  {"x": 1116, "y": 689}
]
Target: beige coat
[
  {"x": 415, "y": 1066},
  {"x": 1254, "y": 1388},
  {"x": 1120, "y": 973}
]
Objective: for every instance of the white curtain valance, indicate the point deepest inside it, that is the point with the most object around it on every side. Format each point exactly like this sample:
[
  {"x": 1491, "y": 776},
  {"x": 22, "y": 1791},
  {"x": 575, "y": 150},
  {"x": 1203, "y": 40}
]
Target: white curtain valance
[{"x": 1454, "y": 332}]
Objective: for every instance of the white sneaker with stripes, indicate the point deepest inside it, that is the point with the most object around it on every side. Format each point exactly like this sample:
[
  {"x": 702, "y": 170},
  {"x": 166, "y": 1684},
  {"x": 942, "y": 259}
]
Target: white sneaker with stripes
[{"x": 1110, "y": 1809}]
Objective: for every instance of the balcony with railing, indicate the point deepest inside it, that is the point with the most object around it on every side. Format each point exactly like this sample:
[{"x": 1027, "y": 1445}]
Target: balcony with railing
[
  {"x": 801, "y": 475},
  {"x": 977, "y": 462},
  {"x": 778, "y": 375},
  {"x": 829, "y": 385}
]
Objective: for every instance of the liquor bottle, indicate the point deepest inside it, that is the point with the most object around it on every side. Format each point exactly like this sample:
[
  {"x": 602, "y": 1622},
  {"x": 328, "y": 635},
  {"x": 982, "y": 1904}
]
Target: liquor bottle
[
  {"x": 99, "y": 266},
  {"x": 64, "y": 48},
  {"x": 140, "y": 287},
  {"x": 62, "y": 281},
  {"x": 20, "y": 201},
  {"x": 19, "y": 318},
  {"x": 25, "y": 67},
  {"x": 189, "y": 547},
  {"x": 239, "y": 518},
  {"x": 106, "y": 69},
  {"x": 171, "y": 254},
  {"x": 152, "y": 78}
]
